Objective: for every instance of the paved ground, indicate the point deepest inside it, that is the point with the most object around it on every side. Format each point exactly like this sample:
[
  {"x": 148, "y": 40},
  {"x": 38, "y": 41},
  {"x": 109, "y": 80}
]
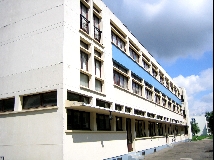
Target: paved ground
[{"x": 195, "y": 150}]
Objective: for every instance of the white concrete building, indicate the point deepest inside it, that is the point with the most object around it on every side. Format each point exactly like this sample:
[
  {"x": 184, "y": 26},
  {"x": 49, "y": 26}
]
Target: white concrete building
[
  {"x": 202, "y": 124},
  {"x": 69, "y": 65}
]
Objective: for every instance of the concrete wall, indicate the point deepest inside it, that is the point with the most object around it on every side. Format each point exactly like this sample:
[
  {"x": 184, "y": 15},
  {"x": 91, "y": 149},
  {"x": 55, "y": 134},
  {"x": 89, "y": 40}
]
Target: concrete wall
[
  {"x": 202, "y": 124},
  {"x": 31, "y": 47},
  {"x": 97, "y": 145}
]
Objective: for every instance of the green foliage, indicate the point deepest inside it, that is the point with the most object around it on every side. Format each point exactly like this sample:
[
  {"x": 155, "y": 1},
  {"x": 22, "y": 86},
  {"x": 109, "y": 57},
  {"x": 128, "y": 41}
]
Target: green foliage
[
  {"x": 209, "y": 117},
  {"x": 198, "y": 138},
  {"x": 194, "y": 128}
]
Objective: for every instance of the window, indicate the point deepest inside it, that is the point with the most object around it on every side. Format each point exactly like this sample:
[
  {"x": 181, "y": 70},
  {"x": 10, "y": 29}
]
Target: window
[
  {"x": 7, "y": 105},
  {"x": 173, "y": 108},
  {"x": 103, "y": 104},
  {"x": 77, "y": 97},
  {"x": 119, "y": 124},
  {"x": 160, "y": 129},
  {"x": 118, "y": 107},
  {"x": 40, "y": 100},
  {"x": 151, "y": 128},
  {"x": 84, "y": 18},
  {"x": 140, "y": 128},
  {"x": 145, "y": 65},
  {"x": 139, "y": 112},
  {"x": 134, "y": 55},
  {"x": 84, "y": 80},
  {"x": 136, "y": 88},
  {"x": 117, "y": 41},
  {"x": 97, "y": 68},
  {"x": 161, "y": 80},
  {"x": 169, "y": 105},
  {"x": 157, "y": 99},
  {"x": 120, "y": 67},
  {"x": 78, "y": 120},
  {"x": 120, "y": 80},
  {"x": 84, "y": 61},
  {"x": 98, "y": 85},
  {"x": 148, "y": 94},
  {"x": 103, "y": 122},
  {"x": 164, "y": 102},
  {"x": 127, "y": 109},
  {"x": 96, "y": 53},
  {"x": 154, "y": 73},
  {"x": 97, "y": 32},
  {"x": 84, "y": 45}
]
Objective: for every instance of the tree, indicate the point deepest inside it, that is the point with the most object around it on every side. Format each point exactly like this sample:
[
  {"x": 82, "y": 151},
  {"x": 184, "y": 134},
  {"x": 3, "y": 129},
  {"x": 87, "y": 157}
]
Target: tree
[
  {"x": 209, "y": 117},
  {"x": 194, "y": 128}
]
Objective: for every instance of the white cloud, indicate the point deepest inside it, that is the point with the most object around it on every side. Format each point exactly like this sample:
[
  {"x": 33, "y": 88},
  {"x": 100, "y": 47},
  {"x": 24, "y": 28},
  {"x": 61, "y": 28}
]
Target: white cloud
[{"x": 197, "y": 87}]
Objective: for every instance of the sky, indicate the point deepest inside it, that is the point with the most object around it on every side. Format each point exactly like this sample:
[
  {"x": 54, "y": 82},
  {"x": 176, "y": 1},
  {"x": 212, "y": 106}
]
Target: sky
[{"x": 179, "y": 35}]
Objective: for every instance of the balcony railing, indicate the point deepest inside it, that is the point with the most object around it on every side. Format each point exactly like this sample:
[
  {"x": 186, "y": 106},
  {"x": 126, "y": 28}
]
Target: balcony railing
[
  {"x": 84, "y": 23},
  {"x": 97, "y": 34}
]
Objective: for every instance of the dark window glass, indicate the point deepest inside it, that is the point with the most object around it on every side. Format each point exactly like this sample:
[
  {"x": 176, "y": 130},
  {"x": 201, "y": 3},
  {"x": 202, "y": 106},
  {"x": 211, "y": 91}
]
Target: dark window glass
[
  {"x": 32, "y": 101},
  {"x": 118, "y": 107},
  {"x": 77, "y": 97},
  {"x": 119, "y": 123},
  {"x": 103, "y": 122},
  {"x": 7, "y": 105},
  {"x": 40, "y": 100},
  {"x": 78, "y": 120},
  {"x": 50, "y": 99},
  {"x": 101, "y": 103}
]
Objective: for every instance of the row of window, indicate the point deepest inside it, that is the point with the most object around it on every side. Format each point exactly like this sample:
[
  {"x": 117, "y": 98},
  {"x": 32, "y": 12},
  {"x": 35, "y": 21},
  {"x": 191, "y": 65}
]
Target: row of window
[
  {"x": 31, "y": 101},
  {"x": 134, "y": 54},
  {"x": 84, "y": 58},
  {"x": 80, "y": 120},
  {"x": 84, "y": 21},
  {"x": 50, "y": 99},
  {"x": 120, "y": 78}
]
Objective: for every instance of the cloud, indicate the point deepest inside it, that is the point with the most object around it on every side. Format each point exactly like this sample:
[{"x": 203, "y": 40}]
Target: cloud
[
  {"x": 199, "y": 90},
  {"x": 196, "y": 83},
  {"x": 168, "y": 29}
]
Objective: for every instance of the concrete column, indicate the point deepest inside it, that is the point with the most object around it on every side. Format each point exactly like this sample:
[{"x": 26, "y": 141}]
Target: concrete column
[
  {"x": 113, "y": 124},
  {"x": 156, "y": 129},
  {"x": 93, "y": 123},
  {"x": 18, "y": 103},
  {"x": 147, "y": 128},
  {"x": 91, "y": 68}
]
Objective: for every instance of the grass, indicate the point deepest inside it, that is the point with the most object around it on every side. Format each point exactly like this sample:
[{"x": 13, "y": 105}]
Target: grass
[{"x": 198, "y": 138}]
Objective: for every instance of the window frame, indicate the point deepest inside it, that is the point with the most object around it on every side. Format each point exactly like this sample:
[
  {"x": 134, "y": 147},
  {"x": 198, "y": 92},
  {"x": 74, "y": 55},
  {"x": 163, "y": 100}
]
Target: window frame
[
  {"x": 106, "y": 120},
  {"x": 81, "y": 116}
]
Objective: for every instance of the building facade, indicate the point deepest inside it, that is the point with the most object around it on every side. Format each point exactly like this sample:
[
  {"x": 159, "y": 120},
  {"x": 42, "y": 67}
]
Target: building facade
[
  {"x": 76, "y": 84},
  {"x": 202, "y": 124}
]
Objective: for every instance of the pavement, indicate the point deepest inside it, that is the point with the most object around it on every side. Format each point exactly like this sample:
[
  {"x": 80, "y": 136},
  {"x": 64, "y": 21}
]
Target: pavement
[{"x": 194, "y": 150}]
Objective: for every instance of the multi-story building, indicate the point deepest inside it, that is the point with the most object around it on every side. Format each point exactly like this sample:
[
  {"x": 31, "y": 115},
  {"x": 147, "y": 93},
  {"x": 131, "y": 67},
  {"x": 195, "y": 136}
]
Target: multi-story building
[
  {"x": 76, "y": 84},
  {"x": 202, "y": 124}
]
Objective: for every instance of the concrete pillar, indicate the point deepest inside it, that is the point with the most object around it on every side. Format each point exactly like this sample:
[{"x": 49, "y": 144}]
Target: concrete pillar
[
  {"x": 18, "y": 103},
  {"x": 147, "y": 128},
  {"x": 124, "y": 123},
  {"x": 93, "y": 123},
  {"x": 113, "y": 124}
]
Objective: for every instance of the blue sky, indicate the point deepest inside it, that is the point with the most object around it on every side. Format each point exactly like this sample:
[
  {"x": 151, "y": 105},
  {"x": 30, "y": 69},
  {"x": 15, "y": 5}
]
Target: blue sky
[{"x": 179, "y": 35}]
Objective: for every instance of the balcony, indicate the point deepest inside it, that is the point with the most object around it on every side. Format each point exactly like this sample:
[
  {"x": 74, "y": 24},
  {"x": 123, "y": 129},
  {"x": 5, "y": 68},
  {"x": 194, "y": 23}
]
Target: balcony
[
  {"x": 97, "y": 34},
  {"x": 84, "y": 23}
]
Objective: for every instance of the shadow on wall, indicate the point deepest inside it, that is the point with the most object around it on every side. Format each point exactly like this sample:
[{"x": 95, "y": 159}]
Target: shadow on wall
[
  {"x": 95, "y": 137},
  {"x": 204, "y": 132}
]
